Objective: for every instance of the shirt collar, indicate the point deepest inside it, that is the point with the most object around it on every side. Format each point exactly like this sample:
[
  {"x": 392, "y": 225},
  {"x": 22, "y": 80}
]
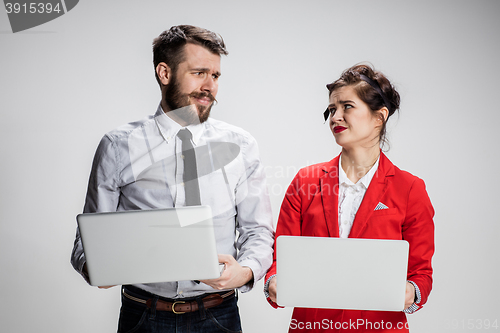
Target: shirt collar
[
  {"x": 365, "y": 180},
  {"x": 169, "y": 128},
  {"x": 197, "y": 131}
]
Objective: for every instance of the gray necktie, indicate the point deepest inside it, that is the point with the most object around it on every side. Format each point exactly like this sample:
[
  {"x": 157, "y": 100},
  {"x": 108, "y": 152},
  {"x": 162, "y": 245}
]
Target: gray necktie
[{"x": 190, "y": 176}]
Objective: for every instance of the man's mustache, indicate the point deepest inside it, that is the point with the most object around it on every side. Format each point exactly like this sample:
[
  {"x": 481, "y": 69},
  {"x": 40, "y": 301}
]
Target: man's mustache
[{"x": 202, "y": 95}]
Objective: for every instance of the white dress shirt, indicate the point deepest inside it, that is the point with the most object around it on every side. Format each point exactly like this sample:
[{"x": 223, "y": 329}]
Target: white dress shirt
[{"x": 139, "y": 166}]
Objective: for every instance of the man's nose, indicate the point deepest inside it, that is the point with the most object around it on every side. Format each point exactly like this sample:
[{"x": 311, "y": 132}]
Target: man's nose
[{"x": 210, "y": 84}]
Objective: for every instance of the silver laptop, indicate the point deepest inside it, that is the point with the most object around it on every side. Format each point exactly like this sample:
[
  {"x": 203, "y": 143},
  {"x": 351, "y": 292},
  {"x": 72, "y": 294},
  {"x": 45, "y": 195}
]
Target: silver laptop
[
  {"x": 335, "y": 273},
  {"x": 149, "y": 246}
]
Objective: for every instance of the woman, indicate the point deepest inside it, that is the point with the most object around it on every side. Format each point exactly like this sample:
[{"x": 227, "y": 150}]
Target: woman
[{"x": 374, "y": 199}]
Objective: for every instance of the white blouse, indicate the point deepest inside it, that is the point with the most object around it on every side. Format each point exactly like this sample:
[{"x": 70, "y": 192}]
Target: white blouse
[{"x": 350, "y": 197}]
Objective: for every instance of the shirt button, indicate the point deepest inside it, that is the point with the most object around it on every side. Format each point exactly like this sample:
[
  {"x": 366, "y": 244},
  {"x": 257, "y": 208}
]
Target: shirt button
[
  {"x": 180, "y": 292},
  {"x": 344, "y": 222}
]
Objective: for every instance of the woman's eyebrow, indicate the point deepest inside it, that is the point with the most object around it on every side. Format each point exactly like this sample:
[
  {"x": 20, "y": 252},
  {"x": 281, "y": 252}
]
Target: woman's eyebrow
[
  {"x": 347, "y": 101},
  {"x": 342, "y": 102}
]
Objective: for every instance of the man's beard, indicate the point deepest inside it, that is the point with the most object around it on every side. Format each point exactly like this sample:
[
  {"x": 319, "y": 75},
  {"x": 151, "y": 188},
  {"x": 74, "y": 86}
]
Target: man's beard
[{"x": 179, "y": 103}]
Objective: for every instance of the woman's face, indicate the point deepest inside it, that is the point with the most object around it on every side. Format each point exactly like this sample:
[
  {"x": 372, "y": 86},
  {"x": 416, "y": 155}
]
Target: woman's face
[{"x": 351, "y": 120}]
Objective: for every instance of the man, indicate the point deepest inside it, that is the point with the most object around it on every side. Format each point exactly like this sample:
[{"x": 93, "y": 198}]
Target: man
[{"x": 141, "y": 166}]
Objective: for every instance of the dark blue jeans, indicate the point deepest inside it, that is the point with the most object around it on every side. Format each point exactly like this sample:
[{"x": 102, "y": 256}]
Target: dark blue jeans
[{"x": 136, "y": 317}]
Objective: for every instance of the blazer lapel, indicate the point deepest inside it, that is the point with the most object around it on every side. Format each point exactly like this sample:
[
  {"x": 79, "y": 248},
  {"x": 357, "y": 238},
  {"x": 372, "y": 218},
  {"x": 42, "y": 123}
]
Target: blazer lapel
[
  {"x": 373, "y": 195},
  {"x": 329, "y": 185}
]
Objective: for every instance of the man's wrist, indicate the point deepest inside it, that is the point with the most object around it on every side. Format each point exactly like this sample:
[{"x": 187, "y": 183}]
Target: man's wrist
[{"x": 248, "y": 276}]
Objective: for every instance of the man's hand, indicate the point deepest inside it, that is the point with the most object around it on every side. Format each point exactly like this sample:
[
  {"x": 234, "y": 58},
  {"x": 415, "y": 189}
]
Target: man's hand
[
  {"x": 410, "y": 295},
  {"x": 86, "y": 272},
  {"x": 233, "y": 276},
  {"x": 272, "y": 290}
]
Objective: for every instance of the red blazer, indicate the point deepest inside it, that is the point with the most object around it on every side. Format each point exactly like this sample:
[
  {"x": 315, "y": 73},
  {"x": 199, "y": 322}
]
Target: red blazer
[{"x": 310, "y": 208}]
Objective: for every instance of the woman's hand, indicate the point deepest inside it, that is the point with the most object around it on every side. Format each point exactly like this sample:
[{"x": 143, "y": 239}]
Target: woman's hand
[
  {"x": 272, "y": 289},
  {"x": 410, "y": 295}
]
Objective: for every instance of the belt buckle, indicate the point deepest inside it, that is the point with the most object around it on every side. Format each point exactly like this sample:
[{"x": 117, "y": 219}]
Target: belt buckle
[{"x": 173, "y": 307}]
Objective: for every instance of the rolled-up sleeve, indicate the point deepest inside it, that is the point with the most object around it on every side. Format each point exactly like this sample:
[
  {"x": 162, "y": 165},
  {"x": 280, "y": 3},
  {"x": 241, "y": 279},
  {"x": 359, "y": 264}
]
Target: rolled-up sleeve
[
  {"x": 254, "y": 217},
  {"x": 103, "y": 193}
]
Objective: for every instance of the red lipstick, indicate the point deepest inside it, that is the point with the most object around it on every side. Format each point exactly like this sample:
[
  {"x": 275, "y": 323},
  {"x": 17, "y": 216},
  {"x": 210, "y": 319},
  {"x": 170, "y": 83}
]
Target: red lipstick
[{"x": 338, "y": 129}]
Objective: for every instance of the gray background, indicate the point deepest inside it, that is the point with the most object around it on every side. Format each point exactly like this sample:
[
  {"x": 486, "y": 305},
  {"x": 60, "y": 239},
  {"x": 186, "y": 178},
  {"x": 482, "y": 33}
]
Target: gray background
[{"x": 65, "y": 83}]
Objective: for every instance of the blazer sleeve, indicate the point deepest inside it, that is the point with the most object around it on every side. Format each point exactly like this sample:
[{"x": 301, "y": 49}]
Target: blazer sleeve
[
  {"x": 418, "y": 230},
  {"x": 289, "y": 222}
]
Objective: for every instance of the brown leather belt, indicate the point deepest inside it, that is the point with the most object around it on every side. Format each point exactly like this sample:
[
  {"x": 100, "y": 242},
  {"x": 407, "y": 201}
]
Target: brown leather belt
[{"x": 180, "y": 307}]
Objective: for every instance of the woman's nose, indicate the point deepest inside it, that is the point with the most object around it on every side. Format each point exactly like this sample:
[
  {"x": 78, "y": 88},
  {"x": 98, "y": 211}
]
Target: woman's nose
[{"x": 338, "y": 115}]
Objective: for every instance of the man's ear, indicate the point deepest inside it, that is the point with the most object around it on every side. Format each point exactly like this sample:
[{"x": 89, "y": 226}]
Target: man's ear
[{"x": 164, "y": 73}]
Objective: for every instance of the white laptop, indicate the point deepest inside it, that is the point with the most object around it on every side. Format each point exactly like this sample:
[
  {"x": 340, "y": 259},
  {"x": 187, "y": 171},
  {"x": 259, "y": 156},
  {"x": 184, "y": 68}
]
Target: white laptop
[
  {"x": 335, "y": 273},
  {"x": 149, "y": 246}
]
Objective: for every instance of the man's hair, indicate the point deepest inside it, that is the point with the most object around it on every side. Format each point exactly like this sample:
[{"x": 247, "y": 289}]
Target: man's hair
[{"x": 168, "y": 47}]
